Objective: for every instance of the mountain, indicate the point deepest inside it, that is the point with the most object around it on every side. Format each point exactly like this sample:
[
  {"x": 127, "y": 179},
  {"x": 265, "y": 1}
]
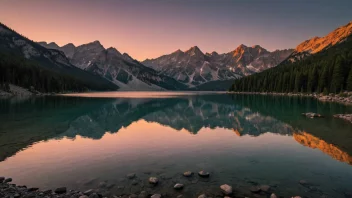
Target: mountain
[
  {"x": 317, "y": 65},
  {"x": 121, "y": 69},
  {"x": 28, "y": 64},
  {"x": 193, "y": 67},
  {"x": 317, "y": 44}
]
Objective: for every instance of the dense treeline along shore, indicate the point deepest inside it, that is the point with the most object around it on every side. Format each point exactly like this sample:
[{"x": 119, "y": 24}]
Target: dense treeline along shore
[{"x": 329, "y": 71}]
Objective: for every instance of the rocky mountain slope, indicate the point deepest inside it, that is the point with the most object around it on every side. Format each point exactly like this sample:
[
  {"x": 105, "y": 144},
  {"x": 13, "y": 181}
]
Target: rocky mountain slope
[
  {"x": 121, "y": 69},
  {"x": 27, "y": 64},
  {"x": 193, "y": 67},
  {"x": 317, "y": 44}
]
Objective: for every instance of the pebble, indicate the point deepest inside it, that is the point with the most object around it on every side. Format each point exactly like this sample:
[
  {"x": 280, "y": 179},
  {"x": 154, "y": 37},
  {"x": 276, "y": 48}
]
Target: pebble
[
  {"x": 88, "y": 192},
  {"x": 153, "y": 180},
  {"x": 60, "y": 190},
  {"x": 94, "y": 195},
  {"x": 188, "y": 173},
  {"x": 202, "y": 196},
  {"x": 203, "y": 174},
  {"x": 156, "y": 196},
  {"x": 273, "y": 196},
  {"x": 178, "y": 186},
  {"x": 83, "y": 196},
  {"x": 226, "y": 189}
]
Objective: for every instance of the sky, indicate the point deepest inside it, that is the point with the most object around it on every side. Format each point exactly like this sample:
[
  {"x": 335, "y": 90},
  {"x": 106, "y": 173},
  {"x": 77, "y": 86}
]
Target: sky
[{"x": 151, "y": 28}]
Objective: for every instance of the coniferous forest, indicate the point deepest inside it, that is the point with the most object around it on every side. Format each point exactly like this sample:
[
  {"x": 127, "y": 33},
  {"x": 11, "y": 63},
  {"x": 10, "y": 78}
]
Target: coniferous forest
[{"x": 329, "y": 71}]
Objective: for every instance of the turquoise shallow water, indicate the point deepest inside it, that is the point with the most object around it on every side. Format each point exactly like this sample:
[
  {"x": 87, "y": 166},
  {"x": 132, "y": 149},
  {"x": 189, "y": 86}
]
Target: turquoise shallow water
[{"x": 242, "y": 140}]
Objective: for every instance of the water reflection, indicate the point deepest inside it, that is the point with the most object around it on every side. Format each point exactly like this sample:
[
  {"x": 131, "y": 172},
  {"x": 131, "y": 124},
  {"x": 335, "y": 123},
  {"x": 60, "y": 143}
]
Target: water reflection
[{"x": 241, "y": 139}]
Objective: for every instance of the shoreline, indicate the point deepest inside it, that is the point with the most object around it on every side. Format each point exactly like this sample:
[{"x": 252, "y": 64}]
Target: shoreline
[
  {"x": 11, "y": 190},
  {"x": 345, "y": 99}
]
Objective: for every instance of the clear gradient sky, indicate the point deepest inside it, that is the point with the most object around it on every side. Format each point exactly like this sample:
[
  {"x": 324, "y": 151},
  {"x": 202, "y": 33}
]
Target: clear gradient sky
[{"x": 150, "y": 28}]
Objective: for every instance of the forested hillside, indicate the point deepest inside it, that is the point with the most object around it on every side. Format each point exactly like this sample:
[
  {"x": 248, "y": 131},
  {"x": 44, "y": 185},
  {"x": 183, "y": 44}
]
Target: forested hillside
[
  {"x": 29, "y": 65},
  {"x": 329, "y": 71}
]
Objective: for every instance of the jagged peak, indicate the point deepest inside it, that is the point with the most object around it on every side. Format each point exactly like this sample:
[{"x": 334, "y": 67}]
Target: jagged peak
[{"x": 194, "y": 51}]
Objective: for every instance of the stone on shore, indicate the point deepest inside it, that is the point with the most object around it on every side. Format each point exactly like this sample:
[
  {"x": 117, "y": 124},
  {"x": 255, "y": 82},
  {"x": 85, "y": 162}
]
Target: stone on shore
[
  {"x": 226, "y": 189},
  {"x": 255, "y": 189},
  {"x": 153, "y": 180},
  {"x": 32, "y": 189},
  {"x": 156, "y": 196},
  {"x": 265, "y": 188},
  {"x": 61, "y": 190},
  {"x": 178, "y": 186},
  {"x": 7, "y": 180},
  {"x": 273, "y": 196},
  {"x": 346, "y": 117},
  {"x": 83, "y": 196},
  {"x": 2, "y": 179},
  {"x": 88, "y": 192},
  {"x": 202, "y": 196},
  {"x": 188, "y": 173},
  {"x": 94, "y": 195},
  {"x": 203, "y": 174},
  {"x": 131, "y": 175}
]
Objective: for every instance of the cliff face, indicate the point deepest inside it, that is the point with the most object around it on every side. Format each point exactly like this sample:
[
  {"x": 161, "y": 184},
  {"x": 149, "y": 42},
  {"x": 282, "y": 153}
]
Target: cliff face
[{"x": 311, "y": 141}]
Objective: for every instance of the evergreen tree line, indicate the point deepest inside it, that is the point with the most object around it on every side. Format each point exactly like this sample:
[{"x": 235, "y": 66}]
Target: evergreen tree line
[
  {"x": 329, "y": 71},
  {"x": 25, "y": 73}
]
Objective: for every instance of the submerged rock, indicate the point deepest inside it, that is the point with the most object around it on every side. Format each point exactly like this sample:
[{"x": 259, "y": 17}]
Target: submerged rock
[
  {"x": 178, "y": 186},
  {"x": 188, "y": 173},
  {"x": 202, "y": 173},
  {"x": 60, "y": 190},
  {"x": 226, "y": 189},
  {"x": 153, "y": 180},
  {"x": 312, "y": 115},
  {"x": 255, "y": 189}
]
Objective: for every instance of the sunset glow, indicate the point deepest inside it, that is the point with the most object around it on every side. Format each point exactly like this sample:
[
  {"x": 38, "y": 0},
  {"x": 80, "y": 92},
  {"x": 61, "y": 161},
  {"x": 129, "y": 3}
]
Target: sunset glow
[{"x": 148, "y": 29}]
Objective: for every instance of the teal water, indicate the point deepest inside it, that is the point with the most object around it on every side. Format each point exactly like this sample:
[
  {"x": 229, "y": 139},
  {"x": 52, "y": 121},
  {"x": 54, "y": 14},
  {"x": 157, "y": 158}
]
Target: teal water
[{"x": 242, "y": 140}]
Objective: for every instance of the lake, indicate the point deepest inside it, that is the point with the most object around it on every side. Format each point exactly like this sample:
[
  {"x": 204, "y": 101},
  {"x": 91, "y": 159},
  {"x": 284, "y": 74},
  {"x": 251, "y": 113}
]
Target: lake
[{"x": 92, "y": 141}]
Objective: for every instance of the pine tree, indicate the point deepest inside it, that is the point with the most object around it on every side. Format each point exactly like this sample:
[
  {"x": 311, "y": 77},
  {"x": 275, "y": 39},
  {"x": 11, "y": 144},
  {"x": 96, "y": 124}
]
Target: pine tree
[{"x": 349, "y": 81}]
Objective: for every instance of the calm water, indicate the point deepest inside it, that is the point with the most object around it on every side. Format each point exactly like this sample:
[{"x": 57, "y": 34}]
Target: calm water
[{"x": 242, "y": 140}]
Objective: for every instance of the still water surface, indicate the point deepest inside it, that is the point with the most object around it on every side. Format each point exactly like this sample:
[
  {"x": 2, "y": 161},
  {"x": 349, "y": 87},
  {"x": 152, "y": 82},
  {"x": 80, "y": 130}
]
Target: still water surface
[{"x": 242, "y": 140}]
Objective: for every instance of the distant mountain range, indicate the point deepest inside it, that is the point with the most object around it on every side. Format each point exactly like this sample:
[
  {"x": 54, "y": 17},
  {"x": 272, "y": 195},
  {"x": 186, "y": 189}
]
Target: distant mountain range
[
  {"x": 318, "y": 65},
  {"x": 193, "y": 67},
  {"x": 91, "y": 66},
  {"x": 118, "y": 68}
]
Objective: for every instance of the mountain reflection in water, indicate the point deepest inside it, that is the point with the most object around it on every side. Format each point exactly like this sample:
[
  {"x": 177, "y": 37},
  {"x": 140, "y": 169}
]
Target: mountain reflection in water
[{"x": 40, "y": 123}]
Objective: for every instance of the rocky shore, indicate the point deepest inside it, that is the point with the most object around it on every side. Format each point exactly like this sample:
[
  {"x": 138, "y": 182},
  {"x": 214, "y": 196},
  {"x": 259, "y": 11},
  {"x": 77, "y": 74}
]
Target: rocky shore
[
  {"x": 345, "y": 97},
  {"x": 10, "y": 190},
  {"x": 347, "y": 117}
]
